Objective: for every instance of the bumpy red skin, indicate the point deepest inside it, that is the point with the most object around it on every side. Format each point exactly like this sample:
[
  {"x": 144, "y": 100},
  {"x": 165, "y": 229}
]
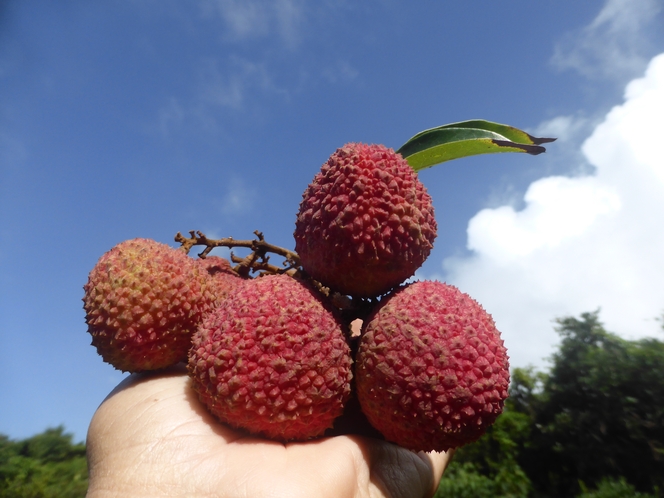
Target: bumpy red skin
[
  {"x": 143, "y": 301},
  {"x": 432, "y": 372},
  {"x": 224, "y": 279},
  {"x": 365, "y": 223},
  {"x": 273, "y": 360}
]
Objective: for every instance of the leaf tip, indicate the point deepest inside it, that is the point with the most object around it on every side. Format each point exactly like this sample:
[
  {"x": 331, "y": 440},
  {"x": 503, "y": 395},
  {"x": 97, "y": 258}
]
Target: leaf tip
[
  {"x": 533, "y": 150},
  {"x": 539, "y": 141}
]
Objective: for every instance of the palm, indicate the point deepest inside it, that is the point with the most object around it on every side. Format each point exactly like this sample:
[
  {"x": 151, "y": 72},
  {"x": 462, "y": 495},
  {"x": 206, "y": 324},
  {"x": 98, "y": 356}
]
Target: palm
[{"x": 152, "y": 437}]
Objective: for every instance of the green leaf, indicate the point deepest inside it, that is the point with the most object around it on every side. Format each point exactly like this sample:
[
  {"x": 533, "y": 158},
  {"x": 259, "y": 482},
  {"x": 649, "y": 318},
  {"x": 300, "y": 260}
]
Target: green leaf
[{"x": 467, "y": 138}]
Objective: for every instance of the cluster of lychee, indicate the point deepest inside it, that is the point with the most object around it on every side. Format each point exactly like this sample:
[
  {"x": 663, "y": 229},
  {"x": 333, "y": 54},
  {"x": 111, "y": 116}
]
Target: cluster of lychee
[{"x": 275, "y": 354}]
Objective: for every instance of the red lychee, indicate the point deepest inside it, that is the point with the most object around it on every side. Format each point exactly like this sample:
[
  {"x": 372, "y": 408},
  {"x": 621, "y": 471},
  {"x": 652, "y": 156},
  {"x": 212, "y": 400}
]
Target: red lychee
[
  {"x": 432, "y": 372},
  {"x": 143, "y": 301},
  {"x": 272, "y": 359},
  {"x": 224, "y": 279},
  {"x": 365, "y": 223}
]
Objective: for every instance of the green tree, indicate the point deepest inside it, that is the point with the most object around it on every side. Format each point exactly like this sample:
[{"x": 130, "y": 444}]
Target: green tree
[
  {"x": 46, "y": 465},
  {"x": 489, "y": 467},
  {"x": 614, "y": 488},
  {"x": 600, "y": 413}
]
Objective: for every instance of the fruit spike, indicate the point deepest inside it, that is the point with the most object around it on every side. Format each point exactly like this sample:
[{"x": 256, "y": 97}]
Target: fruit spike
[
  {"x": 365, "y": 223},
  {"x": 143, "y": 301},
  {"x": 272, "y": 359},
  {"x": 432, "y": 372},
  {"x": 270, "y": 355}
]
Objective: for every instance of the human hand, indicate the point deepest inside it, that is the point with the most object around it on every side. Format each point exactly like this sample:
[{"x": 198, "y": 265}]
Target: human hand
[{"x": 151, "y": 437}]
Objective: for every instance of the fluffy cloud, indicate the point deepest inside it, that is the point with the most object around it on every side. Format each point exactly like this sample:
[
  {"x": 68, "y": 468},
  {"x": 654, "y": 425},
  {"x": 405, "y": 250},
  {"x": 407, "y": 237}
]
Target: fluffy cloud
[
  {"x": 611, "y": 46},
  {"x": 580, "y": 243}
]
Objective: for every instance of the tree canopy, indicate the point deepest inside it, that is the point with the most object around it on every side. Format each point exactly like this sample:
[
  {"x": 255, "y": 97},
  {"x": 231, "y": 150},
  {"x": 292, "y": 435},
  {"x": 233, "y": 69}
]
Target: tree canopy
[{"x": 45, "y": 465}]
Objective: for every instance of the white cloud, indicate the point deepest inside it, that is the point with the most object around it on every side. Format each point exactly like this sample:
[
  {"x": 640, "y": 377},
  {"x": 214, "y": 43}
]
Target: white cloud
[
  {"x": 170, "y": 116},
  {"x": 226, "y": 87},
  {"x": 558, "y": 209},
  {"x": 238, "y": 198},
  {"x": 580, "y": 243},
  {"x": 289, "y": 15},
  {"x": 220, "y": 87},
  {"x": 246, "y": 19},
  {"x": 341, "y": 72},
  {"x": 227, "y": 84},
  {"x": 612, "y": 45},
  {"x": 564, "y": 128}
]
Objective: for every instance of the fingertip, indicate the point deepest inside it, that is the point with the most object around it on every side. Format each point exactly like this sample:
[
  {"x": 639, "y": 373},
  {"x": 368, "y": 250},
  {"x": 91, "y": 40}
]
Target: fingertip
[{"x": 438, "y": 462}]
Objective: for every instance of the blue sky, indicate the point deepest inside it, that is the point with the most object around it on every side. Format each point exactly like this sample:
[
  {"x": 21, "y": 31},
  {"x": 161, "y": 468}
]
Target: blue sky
[{"x": 145, "y": 118}]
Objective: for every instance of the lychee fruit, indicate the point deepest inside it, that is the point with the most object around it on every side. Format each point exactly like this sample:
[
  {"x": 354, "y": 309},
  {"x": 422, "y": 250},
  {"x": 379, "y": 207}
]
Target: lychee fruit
[
  {"x": 365, "y": 223},
  {"x": 272, "y": 359},
  {"x": 143, "y": 301},
  {"x": 431, "y": 372},
  {"x": 223, "y": 278}
]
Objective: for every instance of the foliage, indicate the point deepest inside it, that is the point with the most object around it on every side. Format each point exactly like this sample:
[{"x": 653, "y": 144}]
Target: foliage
[
  {"x": 463, "y": 480},
  {"x": 601, "y": 412},
  {"x": 614, "y": 488},
  {"x": 467, "y": 138},
  {"x": 46, "y": 465},
  {"x": 488, "y": 468}
]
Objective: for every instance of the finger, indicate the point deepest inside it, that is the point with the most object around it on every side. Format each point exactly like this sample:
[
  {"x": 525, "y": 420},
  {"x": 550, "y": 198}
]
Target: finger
[{"x": 400, "y": 473}]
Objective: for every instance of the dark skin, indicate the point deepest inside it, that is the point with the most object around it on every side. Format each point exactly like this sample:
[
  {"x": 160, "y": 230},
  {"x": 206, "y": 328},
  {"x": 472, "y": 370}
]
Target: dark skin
[{"x": 151, "y": 437}]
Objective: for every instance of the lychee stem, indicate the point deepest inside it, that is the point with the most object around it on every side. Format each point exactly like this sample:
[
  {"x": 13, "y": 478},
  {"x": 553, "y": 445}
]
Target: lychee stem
[{"x": 256, "y": 261}]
